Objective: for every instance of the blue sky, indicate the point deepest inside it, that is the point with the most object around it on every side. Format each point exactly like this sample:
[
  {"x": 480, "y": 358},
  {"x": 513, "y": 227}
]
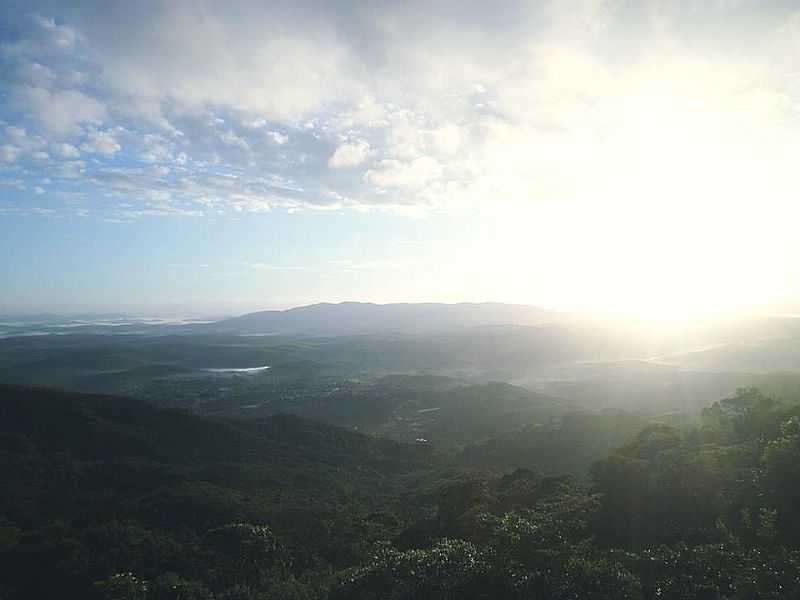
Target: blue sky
[
  {"x": 204, "y": 157},
  {"x": 200, "y": 267}
]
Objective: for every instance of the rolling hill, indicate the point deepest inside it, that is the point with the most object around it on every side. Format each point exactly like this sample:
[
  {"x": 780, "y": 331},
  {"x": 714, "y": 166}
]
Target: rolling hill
[{"x": 358, "y": 318}]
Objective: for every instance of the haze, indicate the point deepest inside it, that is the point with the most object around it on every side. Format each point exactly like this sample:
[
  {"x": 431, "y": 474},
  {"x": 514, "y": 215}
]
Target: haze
[{"x": 404, "y": 300}]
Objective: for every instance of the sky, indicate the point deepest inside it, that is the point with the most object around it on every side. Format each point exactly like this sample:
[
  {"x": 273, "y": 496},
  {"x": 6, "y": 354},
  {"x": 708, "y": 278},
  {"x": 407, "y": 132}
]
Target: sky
[{"x": 198, "y": 157}]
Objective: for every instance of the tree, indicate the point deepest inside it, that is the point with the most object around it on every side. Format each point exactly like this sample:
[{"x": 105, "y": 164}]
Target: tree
[
  {"x": 244, "y": 554},
  {"x": 122, "y": 586}
]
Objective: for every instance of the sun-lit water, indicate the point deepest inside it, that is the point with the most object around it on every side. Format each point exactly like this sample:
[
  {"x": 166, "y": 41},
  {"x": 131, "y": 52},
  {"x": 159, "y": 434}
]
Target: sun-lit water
[{"x": 241, "y": 370}]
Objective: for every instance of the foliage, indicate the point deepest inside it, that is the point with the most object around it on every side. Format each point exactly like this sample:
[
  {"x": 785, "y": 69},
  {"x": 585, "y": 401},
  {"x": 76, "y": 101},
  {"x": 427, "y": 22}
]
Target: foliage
[{"x": 109, "y": 499}]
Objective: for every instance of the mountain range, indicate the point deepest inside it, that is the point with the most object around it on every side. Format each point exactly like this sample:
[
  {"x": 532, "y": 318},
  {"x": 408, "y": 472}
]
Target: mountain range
[{"x": 359, "y": 318}]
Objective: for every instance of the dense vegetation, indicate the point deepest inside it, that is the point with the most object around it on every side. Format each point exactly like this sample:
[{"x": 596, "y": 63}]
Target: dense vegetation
[
  {"x": 110, "y": 498},
  {"x": 567, "y": 445},
  {"x": 93, "y": 486}
]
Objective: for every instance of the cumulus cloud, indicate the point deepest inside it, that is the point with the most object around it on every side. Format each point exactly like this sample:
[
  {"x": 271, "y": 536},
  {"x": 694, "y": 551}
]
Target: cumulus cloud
[
  {"x": 103, "y": 142},
  {"x": 74, "y": 169},
  {"x": 60, "y": 35},
  {"x": 278, "y": 137},
  {"x": 16, "y": 135},
  {"x": 66, "y": 150},
  {"x": 349, "y": 154},
  {"x": 23, "y": 143},
  {"x": 8, "y": 153},
  {"x": 59, "y": 112},
  {"x": 156, "y": 148},
  {"x": 255, "y": 106},
  {"x": 412, "y": 175}
]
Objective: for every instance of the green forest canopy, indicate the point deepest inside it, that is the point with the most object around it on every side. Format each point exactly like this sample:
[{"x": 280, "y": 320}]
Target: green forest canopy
[{"x": 110, "y": 498}]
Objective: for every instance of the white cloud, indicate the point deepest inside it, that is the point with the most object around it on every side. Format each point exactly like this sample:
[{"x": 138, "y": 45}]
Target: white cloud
[
  {"x": 19, "y": 138},
  {"x": 103, "y": 142},
  {"x": 539, "y": 101},
  {"x": 74, "y": 169},
  {"x": 62, "y": 36},
  {"x": 447, "y": 139},
  {"x": 66, "y": 150},
  {"x": 407, "y": 175},
  {"x": 158, "y": 195},
  {"x": 278, "y": 137},
  {"x": 349, "y": 154},
  {"x": 229, "y": 138},
  {"x": 16, "y": 135},
  {"x": 38, "y": 190},
  {"x": 13, "y": 182},
  {"x": 59, "y": 112},
  {"x": 250, "y": 203},
  {"x": 8, "y": 153},
  {"x": 157, "y": 148},
  {"x": 261, "y": 266}
]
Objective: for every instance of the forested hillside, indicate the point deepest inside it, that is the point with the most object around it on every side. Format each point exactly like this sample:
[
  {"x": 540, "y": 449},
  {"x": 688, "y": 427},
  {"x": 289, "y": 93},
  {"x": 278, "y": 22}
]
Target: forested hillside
[
  {"x": 95, "y": 485},
  {"x": 107, "y": 497}
]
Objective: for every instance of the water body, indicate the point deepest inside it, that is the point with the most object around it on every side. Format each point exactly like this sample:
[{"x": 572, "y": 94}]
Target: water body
[
  {"x": 245, "y": 370},
  {"x": 257, "y": 334}
]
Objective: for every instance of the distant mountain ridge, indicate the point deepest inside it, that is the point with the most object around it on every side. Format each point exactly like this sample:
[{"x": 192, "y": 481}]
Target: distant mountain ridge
[{"x": 358, "y": 318}]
